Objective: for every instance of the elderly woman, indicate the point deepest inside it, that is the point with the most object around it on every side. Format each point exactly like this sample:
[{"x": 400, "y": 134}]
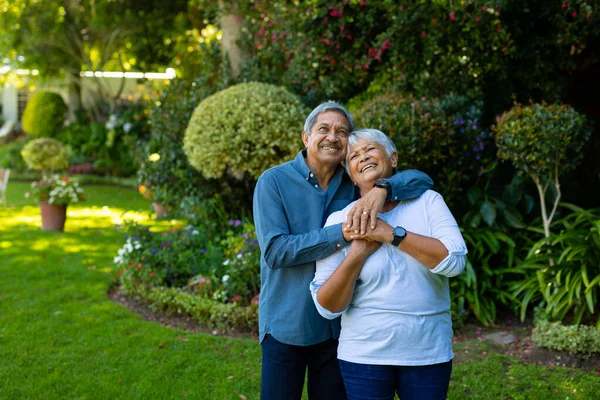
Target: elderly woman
[{"x": 391, "y": 286}]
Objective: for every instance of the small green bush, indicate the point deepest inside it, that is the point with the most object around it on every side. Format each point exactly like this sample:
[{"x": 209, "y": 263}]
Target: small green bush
[
  {"x": 46, "y": 155},
  {"x": 571, "y": 338},
  {"x": 244, "y": 129},
  {"x": 44, "y": 114},
  {"x": 226, "y": 318}
]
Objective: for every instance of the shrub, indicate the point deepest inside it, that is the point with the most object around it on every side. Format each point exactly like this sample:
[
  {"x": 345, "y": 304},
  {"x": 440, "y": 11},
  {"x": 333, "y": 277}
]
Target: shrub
[
  {"x": 46, "y": 155},
  {"x": 244, "y": 129},
  {"x": 237, "y": 280},
  {"x": 571, "y": 338},
  {"x": 44, "y": 114},
  {"x": 164, "y": 258},
  {"x": 441, "y": 137},
  {"x": 223, "y": 318},
  {"x": 563, "y": 271},
  {"x": 165, "y": 169},
  {"x": 543, "y": 141}
]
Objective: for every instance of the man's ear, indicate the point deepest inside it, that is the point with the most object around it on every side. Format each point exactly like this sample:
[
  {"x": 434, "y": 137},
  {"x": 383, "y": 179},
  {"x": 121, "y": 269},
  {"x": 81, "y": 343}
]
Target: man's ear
[
  {"x": 394, "y": 159},
  {"x": 305, "y": 138}
]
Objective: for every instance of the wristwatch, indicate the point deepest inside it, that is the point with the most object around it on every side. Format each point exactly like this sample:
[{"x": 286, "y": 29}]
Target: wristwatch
[
  {"x": 385, "y": 184},
  {"x": 399, "y": 235}
]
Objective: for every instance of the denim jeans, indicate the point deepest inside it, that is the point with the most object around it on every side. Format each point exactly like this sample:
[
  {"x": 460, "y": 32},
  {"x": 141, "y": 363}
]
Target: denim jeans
[
  {"x": 284, "y": 368},
  {"x": 381, "y": 382}
]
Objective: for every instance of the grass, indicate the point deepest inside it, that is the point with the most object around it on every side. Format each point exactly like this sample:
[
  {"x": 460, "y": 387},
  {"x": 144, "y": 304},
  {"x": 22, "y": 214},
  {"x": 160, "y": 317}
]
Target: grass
[{"x": 60, "y": 336}]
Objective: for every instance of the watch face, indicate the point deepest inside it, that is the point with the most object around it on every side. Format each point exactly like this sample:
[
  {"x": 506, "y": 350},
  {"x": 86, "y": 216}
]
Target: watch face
[{"x": 400, "y": 232}]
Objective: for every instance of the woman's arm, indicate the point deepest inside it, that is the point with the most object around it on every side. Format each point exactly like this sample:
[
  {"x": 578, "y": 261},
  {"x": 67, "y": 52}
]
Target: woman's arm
[
  {"x": 335, "y": 294},
  {"x": 444, "y": 253}
]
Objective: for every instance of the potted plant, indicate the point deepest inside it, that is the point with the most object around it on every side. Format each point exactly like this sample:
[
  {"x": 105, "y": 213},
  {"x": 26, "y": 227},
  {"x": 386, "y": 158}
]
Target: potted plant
[{"x": 53, "y": 192}]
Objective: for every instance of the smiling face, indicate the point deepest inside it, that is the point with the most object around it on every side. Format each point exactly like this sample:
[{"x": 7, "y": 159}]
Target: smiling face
[
  {"x": 368, "y": 161},
  {"x": 326, "y": 144}
]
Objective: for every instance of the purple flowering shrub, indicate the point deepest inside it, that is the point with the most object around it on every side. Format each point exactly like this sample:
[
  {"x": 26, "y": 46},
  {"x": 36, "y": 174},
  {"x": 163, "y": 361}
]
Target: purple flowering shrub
[
  {"x": 219, "y": 265},
  {"x": 237, "y": 278},
  {"x": 167, "y": 258},
  {"x": 443, "y": 137}
]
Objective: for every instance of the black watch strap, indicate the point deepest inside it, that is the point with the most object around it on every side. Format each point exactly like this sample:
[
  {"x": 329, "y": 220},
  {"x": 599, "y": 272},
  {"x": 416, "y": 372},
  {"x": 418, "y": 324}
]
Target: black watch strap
[
  {"x": 399, "y": 235},
  {"x": 385, "y": 184}
]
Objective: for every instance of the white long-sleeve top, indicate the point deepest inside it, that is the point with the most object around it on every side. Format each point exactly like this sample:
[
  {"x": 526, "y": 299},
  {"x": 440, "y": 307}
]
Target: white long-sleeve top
[{"x": 400, "y": 310}]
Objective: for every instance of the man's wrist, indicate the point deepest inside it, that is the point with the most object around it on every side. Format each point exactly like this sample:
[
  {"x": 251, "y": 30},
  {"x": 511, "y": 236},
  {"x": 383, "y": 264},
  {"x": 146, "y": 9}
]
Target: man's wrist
[{"x": 384, "y": 184}]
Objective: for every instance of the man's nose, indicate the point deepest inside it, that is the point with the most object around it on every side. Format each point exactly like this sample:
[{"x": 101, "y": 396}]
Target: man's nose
[{"x": 331, "y": 136}]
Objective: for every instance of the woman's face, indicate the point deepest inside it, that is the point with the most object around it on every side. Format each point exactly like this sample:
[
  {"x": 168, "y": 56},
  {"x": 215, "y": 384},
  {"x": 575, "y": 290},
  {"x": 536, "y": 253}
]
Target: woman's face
[{"x": 369, "y": 161}]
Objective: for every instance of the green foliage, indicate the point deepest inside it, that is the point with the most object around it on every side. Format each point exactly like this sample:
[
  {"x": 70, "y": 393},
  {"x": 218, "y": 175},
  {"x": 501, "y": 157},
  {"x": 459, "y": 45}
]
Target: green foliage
[
  {"x": 244, "y": 129},
  {"x": 484, "y": 283},
  {"x": 223, "y": 318},
  {"x": 570, "y": 338},
  {"x": 46, "y": 155},
  {"x": 441, "y": 137},
  {"x": 570, "y": 287},
  {"x": 164, "y": 258},
  {"x": 11, "y": 155},
  {"x": 165, "y": 168},
  {"x": 542, "y": 140},
  {"x": 44, "y": 114},
  {"x": 237, "y": 280}
]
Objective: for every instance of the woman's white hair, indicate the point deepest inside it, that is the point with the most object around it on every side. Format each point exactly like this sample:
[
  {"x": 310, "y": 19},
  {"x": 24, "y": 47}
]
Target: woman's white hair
[{"x": 373, "y": 135}]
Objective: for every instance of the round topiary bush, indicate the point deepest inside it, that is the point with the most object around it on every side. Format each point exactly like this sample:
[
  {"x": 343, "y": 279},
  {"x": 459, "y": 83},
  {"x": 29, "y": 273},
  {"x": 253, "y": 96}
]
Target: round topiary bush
[
  {"x": 44, "y": 114},
  {"x": 244, "y": 129},
  {"x": 46, "y": 155}
]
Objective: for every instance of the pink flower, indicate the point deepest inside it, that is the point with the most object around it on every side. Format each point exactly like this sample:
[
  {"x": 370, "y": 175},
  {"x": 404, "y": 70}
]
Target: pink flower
[
  {"x": 498, "y": 27},
  {"x": 452, "y": 16},
  {"x": 423, "y": 33},
  {"x": 573, "y": 14},
  {"x": 484, "y": 8},
  {"x": 235, "y": 299},
  {"x": 477, "y": 19},
  {"x": 564, "y": 5},
  {"x": 363, "y": 3},
  {"x": 386, "y": 44}
]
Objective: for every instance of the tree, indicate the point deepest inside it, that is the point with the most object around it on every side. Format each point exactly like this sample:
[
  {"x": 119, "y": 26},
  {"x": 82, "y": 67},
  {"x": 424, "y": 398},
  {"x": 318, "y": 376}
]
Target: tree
[{"x": 544, "y": 141}]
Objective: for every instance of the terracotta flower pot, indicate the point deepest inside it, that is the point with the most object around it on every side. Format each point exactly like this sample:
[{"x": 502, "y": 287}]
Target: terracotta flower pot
[
  {"x": 161, "y": 212},
  {"x": 53, "y": 217}
]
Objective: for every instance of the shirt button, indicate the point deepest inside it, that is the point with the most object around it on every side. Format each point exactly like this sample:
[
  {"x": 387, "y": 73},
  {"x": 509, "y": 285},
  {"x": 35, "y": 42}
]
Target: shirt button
[
  {"x": 339, "y": 245},
  {"x": 316, "y": 186},
  {"x": 396, "y": 198},
  {"x": 311, "y": 175},
  {"x": 306, "y": 178}
]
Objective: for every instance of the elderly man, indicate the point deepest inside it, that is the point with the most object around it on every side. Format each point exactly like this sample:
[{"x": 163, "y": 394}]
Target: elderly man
[{"x": 291, "y": 204}]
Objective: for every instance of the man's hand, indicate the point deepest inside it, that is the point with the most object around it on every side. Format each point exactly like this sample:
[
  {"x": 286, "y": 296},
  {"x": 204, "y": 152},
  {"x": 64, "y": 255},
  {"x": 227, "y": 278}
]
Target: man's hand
[
  {"x": 383, "y": 232},
  {"x": 365, "y": 210}
]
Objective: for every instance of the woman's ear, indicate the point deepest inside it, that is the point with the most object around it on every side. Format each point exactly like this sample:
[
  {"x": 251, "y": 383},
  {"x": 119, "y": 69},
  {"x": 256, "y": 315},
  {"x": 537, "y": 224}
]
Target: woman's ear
[{"x": 394, "y": 159}]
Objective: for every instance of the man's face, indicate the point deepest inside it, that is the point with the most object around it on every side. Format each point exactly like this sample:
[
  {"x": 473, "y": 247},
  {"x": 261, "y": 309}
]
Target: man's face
[{"x": 326, "y": 144}]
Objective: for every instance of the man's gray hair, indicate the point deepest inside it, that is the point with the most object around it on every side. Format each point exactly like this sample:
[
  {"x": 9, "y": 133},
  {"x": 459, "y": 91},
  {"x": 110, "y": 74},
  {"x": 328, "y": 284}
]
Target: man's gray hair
[
  {"x": 372, "y": 135},
  {"x": 327, "y": 106}
]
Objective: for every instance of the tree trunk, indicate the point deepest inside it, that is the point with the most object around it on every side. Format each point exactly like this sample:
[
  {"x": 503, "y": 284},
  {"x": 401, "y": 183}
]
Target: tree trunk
[
  {"x": 74, "y": 94},
  {"x": 231, "y": 25}
]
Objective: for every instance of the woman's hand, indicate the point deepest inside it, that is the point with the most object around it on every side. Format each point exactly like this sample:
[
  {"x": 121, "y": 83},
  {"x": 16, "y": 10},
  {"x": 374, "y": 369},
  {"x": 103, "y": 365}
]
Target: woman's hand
[
  {"x": 364, "y": 248},
  {"x": 383, "y": 232},
  {"x": 365, "y": 210}
]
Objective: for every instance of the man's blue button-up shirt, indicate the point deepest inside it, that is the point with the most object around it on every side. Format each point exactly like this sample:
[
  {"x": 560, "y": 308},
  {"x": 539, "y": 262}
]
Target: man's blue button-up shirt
[{"x": 290, "y": 210}]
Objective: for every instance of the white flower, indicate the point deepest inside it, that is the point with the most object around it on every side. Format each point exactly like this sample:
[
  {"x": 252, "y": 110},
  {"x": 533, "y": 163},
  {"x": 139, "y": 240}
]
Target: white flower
[
  {"x": 225, "y": 278},
  {"x": 127, "y": 127},
  {"x": 226, "y": 262}
]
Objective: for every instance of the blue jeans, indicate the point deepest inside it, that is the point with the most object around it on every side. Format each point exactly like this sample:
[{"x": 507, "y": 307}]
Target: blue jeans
[
  {"x": 284, "y": 367},
  {"x": 381, "y": 382}
]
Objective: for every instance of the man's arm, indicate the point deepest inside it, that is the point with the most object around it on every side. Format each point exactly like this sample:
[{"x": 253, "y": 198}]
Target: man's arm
[
  {"x": 404, "y": 185},
  {"x": 280, "y": 248}
]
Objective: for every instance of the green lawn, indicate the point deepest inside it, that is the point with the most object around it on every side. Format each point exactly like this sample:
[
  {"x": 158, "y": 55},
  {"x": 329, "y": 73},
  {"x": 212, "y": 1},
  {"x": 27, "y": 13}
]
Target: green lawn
[{"x": 61, "y": 338}]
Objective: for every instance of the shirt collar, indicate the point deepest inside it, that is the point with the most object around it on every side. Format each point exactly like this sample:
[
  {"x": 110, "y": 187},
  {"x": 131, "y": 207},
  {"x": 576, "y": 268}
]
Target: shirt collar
[{"x": 302, "y": 167}]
